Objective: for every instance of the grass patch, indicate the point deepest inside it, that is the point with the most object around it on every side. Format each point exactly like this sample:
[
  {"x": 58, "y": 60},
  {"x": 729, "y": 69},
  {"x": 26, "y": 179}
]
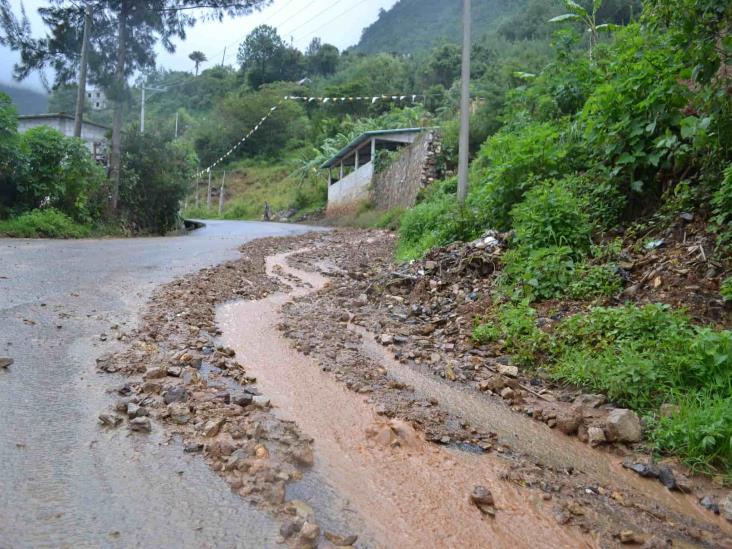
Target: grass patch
[{"x": 47, "y": 223}]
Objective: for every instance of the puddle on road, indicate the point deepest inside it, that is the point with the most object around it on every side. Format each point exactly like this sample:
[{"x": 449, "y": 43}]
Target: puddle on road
[{"x": 415, "y": 495}]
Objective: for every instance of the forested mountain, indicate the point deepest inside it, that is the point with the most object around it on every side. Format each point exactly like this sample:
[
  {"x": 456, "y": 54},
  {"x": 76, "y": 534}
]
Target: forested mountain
[
  {"x": 411, "y": 26},
  {"x": 26, "y": 101}
]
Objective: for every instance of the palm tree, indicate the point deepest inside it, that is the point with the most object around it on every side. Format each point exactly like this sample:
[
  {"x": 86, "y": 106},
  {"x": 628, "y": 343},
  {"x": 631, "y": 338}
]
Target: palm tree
[{"x": 198, "y": 57}]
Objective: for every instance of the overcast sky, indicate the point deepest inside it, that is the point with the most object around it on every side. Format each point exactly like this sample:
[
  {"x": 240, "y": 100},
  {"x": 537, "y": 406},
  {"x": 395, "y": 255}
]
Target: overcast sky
[{"x": 338, "y": 22}]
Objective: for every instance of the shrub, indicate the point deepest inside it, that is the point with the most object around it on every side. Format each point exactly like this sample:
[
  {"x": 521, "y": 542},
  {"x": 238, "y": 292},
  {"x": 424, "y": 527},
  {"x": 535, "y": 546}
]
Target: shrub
[
  {"x": 593, "y": 281},
  {"x": 436, "y": 221},
  {"x": 58, "y": 171},
  {"x": 722, "y": 209},
  {"x": 542, "y": 273},
  {"x": 156, "y": 173},
  {"x": 700, "y": 431},
  {"x": 515, "y": 324},
  {"x": 726, "y": 289},
  {"x": 600, "y": 196},
  {"x": 46, "y": 223},
  {"x": 512, "y": 161},
  {"x": 550, "y": 216},
  {"x": 641, "y": 355}
]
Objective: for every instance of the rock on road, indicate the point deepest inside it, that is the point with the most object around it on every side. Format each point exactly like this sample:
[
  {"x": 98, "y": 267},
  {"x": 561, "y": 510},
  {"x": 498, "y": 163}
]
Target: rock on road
[{"x": 64, "y": 482}]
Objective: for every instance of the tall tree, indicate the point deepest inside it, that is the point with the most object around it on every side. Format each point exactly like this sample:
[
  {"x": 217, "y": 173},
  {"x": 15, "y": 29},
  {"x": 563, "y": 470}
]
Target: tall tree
[
  {"x": 322, "y": 59},
  {"x": 123, "y": 40},
  {"x": 198, "y": 57}
]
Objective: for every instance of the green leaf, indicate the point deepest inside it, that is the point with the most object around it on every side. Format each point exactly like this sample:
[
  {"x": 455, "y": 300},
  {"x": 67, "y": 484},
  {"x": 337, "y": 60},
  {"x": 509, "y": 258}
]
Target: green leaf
[
  {"x": 596, "y": 5},
  {"x": 637, "y": 186},
  {"x": 565, "y": 17},
  {"x": 608, "y": 27},
  {"x": 575, "y": 8},
  {"x": 626, "y": 159}
]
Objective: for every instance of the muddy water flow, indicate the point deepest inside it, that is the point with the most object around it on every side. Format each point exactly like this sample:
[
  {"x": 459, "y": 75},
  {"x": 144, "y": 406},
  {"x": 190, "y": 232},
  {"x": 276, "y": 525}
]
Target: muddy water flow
[{"x": 413, "y": 494}]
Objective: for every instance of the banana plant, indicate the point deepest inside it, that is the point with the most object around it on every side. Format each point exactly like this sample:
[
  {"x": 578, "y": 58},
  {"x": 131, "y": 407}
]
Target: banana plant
[{"x": 578, "y": 13}]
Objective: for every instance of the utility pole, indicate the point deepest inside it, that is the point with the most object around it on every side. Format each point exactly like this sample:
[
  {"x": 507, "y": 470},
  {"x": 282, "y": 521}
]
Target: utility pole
[
  {"x": 223, "y": 57},
  {"x": 81, "y": 91},
  {"x": 142, "y": 104},
  {"x": 208, "y": 196},
  {"x": 142, "y": 110},
  {"x": 221, "y": 194},
  {"x": 176, "y": 124},
  {"x": 464, "y": 152}
]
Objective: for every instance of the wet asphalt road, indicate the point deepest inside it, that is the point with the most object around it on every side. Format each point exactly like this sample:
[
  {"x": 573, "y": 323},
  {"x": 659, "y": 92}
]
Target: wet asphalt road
[{"x": 64, "y": 482}]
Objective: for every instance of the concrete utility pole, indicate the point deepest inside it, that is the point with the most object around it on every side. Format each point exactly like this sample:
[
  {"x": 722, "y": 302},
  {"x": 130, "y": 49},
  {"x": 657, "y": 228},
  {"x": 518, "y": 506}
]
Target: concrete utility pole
[
  {"x": 464, "y": 152},
  {"x": 176, "y": 124},
  {"x": 208, "y": 197},
  {"x": 221, "y": 194},
  {"x": 142, "y": 104},
  {"x": 81, "y": 91}
]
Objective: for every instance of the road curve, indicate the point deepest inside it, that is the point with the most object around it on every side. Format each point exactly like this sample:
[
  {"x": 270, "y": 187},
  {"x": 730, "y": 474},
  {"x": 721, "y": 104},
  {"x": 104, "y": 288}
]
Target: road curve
[{"x": 63, "y": 481}]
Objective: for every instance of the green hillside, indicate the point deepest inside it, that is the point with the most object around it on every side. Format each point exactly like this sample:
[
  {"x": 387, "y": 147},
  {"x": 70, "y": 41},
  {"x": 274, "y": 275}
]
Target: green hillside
[
  {"x": 26, "y": 101},
  {"x": 411, "y": 26}
]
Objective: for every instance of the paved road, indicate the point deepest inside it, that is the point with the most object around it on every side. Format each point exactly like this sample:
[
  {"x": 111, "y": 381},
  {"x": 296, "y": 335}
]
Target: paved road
[{"x": 63, "y": 481}]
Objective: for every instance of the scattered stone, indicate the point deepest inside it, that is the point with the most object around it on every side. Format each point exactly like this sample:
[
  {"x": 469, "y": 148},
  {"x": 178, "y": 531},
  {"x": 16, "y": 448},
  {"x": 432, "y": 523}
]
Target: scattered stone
[
  {"x": 667, "y": 478},
  {"x": 309, "y": 534},
  {"x": 507, "y": 393},
  {"x": 106, "y": 363},
  {"x": 212, "y": 427},
  {"x": 508, "y": 370},
  {"x": 177, "y": 393},
  {"x": 261, "y": 401},
  {"x": 667, "y": 410},
  {"x": 340, "y": 541},
  {"x": 6, "y": 361},
  {"x": 686, "y": 216},
  {"x": 386, "y": 339},
  {"x": 482, "y": 498},
  {"x": 623, "y": 426},
  {"x": 193, "y": 448},
  {"x": 725, "y": 507},
  {"x": 628, "y": 537},
  {"x": 155, "y": 373},
  {"x": 595, "y": 436},
  {"x": 242, "y": 399},
  {"x": 569, "y": 421},
  {"x": 135, "y": 410},
  {"x": 710, "y": 504},
  {"x": 290, "y": 527},
  {"x": 110, "y": 420},
  {"x": 179, "y": 413},
  {"x": 141, "y": 425},
  {"x": 646, "y": 470}
]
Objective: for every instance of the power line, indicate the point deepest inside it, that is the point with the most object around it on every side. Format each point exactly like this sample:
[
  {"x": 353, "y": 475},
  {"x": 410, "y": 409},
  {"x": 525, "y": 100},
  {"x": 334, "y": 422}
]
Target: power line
[{"x": 333, "y": 19}]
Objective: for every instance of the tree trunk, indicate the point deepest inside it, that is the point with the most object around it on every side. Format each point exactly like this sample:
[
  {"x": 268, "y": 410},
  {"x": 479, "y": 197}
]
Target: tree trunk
[{"x": 119, "y": 77}]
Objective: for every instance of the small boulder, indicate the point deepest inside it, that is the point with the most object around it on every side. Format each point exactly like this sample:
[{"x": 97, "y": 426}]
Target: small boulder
[
  {"x": 569, "y": 421},
  {"x": 135, "y": 410},
  {"x": 155, "y": 373},
  {"x": 508, "y": 370},
  {"x": 5, "y": 362},
  {"x": 242, "y": 399},
  {"x": 179, "y": 413},
  {"x": 177, "y": 393},
  {"x": 595, "y": 436},
  {"x": 141, "y": 425},
  {"x": 110, "y": 420},
  {"x": 725, "y": 507},
  {"x": 482, "y": 498},
  {"x": 623, "y": 426},
  {"x": 260, "y": 401},
  {"x": 212, "y": 427}
]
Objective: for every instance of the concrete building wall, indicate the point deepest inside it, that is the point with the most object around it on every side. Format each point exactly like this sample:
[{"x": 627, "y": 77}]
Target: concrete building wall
[
  {"x": 90, "y": 134},
  {"x": 352, "y": 189},
  {"x": 398, "y": 185}
]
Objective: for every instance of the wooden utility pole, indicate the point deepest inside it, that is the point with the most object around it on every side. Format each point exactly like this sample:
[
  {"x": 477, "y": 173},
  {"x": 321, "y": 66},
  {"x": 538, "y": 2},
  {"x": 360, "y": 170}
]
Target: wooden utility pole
[
  {"x": 221, "y": 194},
  {"x": 464, "y": 152},
  {"x": 81, "y": 91},
  {"x": 208, "y": 196}
]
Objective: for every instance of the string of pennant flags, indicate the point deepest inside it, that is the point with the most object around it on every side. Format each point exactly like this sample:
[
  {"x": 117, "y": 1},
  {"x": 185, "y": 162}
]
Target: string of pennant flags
[
  {"x": 341, "y": 99},
  {"x": 373, "y": 98},
  {"x": 238, "y": 143}
]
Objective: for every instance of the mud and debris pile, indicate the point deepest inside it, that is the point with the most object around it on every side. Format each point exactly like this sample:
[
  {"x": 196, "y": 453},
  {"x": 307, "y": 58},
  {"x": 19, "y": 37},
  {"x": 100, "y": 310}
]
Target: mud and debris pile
[{"x": 183, "y": 380}]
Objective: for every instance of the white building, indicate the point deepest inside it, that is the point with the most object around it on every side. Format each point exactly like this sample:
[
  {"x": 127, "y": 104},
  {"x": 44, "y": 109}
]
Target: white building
[
  {"x": 96, "y": 99},
  {"x": 94, "y": 135}
]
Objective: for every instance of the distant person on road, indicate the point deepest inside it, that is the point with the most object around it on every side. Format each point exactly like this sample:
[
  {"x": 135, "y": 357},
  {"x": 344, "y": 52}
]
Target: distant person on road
[{"x": 266, "y": 211}]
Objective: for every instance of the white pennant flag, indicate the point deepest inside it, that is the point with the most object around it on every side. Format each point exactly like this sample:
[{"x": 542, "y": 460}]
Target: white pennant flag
[{"x": 374, "y": 100}]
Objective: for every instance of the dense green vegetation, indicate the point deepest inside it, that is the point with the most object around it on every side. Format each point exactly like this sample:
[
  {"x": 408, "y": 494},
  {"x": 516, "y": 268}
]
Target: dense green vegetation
[{"x": 636, "y": 129}]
